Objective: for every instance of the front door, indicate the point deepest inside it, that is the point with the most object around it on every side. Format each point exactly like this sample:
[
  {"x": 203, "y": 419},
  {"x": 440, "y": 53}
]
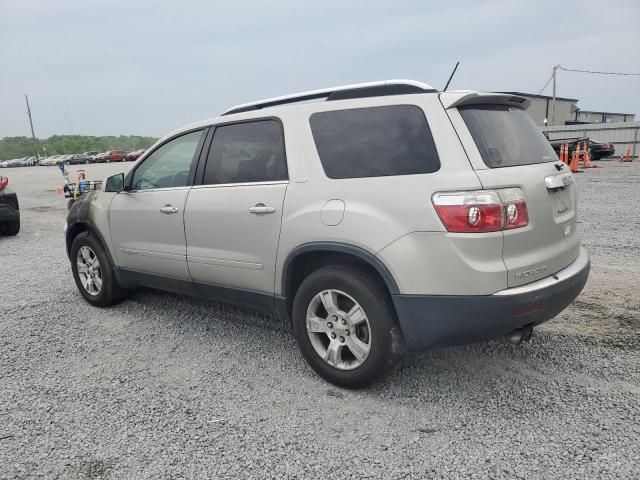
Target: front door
[
  {"x": 147, "y": 221},
  {"x": 232, "y": 220}
]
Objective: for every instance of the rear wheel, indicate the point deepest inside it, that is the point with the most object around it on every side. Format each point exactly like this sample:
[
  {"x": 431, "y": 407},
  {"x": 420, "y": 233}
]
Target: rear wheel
[
  {"x": 345, "y": 326},
  {"x": 93, "y": 272}
]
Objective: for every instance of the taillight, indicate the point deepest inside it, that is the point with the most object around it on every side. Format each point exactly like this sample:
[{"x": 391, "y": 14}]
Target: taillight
[
  {"x": 516, "y": 214},
  {"x": 482, "y": 210}
]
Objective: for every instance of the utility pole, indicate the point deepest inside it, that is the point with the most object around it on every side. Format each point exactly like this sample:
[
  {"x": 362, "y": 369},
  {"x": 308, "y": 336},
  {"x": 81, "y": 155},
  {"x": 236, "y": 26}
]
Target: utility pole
[
  {"x": 33, "y": 135},
  {"x": 553, "y": 102}
]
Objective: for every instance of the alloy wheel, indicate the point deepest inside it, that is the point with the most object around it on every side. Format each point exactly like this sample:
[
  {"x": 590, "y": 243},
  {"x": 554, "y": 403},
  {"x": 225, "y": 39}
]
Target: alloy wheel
[
  {"x": 89, "y": 270},
  {"x": 338, "y": 329}
]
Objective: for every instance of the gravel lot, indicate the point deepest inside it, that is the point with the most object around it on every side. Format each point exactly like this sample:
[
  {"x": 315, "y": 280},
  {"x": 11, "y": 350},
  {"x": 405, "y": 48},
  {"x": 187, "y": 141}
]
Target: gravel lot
[{"x": 164, "y": 386}]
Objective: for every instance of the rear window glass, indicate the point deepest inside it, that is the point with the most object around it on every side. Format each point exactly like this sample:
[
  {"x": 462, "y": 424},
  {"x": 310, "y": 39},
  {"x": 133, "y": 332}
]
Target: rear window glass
[
  {"x": 506, "y": 136},
  {"x": 374, "y": 142}
]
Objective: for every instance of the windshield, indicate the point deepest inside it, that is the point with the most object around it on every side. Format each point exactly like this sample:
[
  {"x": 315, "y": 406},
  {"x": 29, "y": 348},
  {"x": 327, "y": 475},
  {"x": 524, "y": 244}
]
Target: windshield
[{"x": 506, "y": 136}]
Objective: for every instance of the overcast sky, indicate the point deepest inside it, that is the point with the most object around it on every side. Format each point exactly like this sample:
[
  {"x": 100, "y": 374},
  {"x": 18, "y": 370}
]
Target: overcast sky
[{"x": 146, "y": 67}]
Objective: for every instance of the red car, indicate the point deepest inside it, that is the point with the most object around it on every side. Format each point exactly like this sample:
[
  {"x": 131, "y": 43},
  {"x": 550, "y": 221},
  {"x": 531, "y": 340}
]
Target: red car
[
  {"x": 134, "y": 155},
  {"x": 115, "y": 156}
]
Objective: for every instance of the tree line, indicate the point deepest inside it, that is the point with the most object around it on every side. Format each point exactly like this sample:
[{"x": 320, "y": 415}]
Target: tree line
[{"x": 18, "y": 147}]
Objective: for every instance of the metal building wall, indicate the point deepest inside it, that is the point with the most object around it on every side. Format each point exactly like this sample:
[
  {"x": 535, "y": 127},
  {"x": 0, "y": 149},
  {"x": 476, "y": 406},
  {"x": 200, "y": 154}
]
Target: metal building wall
[
  {"x": 541, "y": 108},
  {"x": 620, "y": 134}
]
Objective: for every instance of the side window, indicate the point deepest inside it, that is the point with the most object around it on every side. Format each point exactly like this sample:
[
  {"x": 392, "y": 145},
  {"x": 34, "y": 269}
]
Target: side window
[
  {"x": 374, "y": 142},
  {"x": 246, "y": 152},
  {"x": 169, "y": 165}
]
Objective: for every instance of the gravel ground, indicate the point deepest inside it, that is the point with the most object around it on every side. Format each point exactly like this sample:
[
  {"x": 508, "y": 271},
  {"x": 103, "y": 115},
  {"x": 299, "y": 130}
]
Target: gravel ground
[{"x": 163, "y": 386}]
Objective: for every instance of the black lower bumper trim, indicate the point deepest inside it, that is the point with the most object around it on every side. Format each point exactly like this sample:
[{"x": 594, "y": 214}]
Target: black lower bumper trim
[{"x": 430, "y": 321}]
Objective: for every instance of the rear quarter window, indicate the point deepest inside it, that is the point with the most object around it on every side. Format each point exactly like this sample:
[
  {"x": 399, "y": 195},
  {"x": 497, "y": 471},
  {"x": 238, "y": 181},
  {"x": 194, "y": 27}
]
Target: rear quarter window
[
  {"x": 374, "y": 142},
  {"x": 506, "y": 136}
]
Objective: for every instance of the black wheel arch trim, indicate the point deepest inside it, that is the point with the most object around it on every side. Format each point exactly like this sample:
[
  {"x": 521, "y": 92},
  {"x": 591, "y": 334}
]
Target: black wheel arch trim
[
  {"x": 87, "y": 226},
  {"x": 338, "y": 247},
  {"x": 79, "y": 215}
]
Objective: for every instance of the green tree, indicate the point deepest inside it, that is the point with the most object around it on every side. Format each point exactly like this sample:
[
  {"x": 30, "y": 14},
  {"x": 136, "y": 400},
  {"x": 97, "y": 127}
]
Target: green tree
[{"x": 17, "y": 147}]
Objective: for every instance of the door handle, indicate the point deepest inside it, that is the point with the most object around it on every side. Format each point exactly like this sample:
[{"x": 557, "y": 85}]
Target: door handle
[
  {"x": 169, "y": 209},
  {"x": 261, "y": 209}
]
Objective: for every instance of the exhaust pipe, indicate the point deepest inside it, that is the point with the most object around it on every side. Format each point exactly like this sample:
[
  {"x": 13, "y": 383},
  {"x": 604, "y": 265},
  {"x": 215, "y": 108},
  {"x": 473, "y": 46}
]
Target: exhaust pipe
[{"x": 520, "y": 336}]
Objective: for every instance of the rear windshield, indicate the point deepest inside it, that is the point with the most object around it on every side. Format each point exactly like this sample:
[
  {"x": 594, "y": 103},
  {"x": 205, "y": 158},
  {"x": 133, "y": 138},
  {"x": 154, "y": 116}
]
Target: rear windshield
[{"x": 506, "y": 136}]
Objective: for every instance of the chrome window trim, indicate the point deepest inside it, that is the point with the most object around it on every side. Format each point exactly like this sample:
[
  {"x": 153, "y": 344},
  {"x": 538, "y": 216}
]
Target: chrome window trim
[
  {"x": 165, "y": 189},
  {"x": 240, "y": 184}
]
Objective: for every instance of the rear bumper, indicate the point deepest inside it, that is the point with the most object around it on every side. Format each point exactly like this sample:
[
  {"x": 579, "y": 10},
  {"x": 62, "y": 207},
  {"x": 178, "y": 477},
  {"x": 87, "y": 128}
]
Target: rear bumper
[{"x": 429, "y": 321}]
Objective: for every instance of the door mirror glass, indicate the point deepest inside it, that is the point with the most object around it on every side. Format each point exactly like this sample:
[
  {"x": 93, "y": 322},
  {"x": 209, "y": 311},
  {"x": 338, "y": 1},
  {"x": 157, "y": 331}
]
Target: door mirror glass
[{"x": 115, "y": 183}]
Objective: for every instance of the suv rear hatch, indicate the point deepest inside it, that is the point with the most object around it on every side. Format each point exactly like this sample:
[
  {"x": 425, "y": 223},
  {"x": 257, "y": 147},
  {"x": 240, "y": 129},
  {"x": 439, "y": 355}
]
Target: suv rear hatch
[{"x": 507, "y": 149}]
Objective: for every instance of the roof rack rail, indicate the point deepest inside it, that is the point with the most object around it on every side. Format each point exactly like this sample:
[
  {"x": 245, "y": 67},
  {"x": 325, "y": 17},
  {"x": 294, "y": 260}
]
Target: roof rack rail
[{"x": 358, "y": 90}]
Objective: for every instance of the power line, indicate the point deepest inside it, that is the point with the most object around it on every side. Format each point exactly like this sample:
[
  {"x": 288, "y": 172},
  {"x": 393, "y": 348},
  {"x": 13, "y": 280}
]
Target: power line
[
  {"x": 545, "y": 85},
  {"x": 599, "y": 73}
]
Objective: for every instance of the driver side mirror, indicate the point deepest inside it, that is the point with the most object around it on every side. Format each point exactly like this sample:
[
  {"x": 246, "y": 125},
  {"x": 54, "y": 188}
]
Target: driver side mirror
[{"x": 115, "y": 183}]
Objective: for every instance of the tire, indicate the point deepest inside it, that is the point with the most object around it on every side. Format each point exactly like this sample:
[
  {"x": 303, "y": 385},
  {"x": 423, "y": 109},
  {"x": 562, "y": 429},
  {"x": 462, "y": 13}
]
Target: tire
[
  {"x": 109, "y": 292},
  {"x": 378, "y": 331},
  {"x": 67, "y": 162},
  {"x": 11, "y": 228}
]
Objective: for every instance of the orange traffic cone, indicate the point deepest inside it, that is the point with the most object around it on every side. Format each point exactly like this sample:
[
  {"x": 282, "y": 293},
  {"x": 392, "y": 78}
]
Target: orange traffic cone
[
  {"x": 586, "y": 159},
  {"x": 575, "y": 159},
  {"x": 626, "y": 157}
]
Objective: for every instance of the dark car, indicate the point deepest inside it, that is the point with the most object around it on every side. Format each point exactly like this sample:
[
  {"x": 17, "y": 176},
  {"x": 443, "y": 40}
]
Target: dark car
[
  {"x": 131, "y": 156},
  {"x": 600, "y": 150},
  {"x": 77, "y": 159},
  {"x": 9, "y": 209},
  {"x": 597, "y": 150},
  {"x": 115, "y": 156},
  {"x": 572, "y": 142}
]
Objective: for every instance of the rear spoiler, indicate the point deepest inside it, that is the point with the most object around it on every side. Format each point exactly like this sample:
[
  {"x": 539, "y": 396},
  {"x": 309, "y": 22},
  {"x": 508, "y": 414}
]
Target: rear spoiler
[{"x": 459, "y": 98}]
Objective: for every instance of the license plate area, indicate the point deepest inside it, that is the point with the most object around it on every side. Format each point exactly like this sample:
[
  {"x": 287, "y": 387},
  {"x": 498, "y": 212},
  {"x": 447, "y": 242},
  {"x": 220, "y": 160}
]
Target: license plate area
[{"x": 560, "y": 202}]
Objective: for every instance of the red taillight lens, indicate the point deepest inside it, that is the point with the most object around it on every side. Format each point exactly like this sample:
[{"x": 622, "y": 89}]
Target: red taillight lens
[
  {"x": 516, "y": 214},
  {"x": 467, "y": 212},
  {"x": 482, "y": 210}
]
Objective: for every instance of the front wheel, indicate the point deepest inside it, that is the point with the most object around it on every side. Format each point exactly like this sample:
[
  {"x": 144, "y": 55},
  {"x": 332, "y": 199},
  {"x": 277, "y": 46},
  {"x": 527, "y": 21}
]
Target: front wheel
[
  {"x": 93, "y": 272},
  {"x": 345, "y": 326}
]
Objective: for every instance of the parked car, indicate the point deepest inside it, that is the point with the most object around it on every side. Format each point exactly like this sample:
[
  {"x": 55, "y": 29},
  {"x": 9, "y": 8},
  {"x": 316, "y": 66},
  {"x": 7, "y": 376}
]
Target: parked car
[
  {"x": 597, "y": 150},
  {"x": 77, "y": 159},
  {"x": 392, "y": 215},
  {"x": 132, "y": 156},
  {"x": 9, "y": 209},
  {"x": 99, "y": 157},
  {"x": 600, "y": 150},
  {"x": 15, "y": 162},
  {"x": 114, "y": 156},
  {"x": 51, "y": 160},
  {"x": 27, "y": 162}
]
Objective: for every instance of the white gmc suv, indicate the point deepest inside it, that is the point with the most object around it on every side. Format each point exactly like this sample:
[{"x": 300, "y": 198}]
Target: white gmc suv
[{"x": 374, "y": 217}]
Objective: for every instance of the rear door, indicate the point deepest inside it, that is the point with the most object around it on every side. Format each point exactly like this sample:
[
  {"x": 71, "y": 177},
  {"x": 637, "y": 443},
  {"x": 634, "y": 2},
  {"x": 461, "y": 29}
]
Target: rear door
[
  {"x": 232, "y": 219},
  {"x": 507, "y": 149}
]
